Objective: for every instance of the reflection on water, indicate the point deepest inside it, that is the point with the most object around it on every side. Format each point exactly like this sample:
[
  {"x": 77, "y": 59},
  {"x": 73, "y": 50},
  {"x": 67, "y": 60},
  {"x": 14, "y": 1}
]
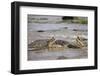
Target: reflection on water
[{"x": 53, "y": 55}]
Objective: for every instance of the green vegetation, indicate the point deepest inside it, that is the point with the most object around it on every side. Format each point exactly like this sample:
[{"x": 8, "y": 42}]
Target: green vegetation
[
  {"x": 80, "y": 20},
  {"x": 83, "y": 21},
  {"x": 67, "y": 18}
]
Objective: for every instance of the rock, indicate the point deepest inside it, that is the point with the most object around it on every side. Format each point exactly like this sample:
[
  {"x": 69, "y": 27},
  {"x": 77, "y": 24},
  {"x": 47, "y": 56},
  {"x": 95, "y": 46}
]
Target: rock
[
  {"x": 79, "y": 30},
  {"x": 61, "y": 42},
  {"x": 83, "y": 39},
  {"x": 65, "y": 27},
  {"x": 38, "y": 44},
  {"x": 62, "y": 57},
  {"x": 75, "y": 30},
  {"x": 43, "y": 44},
  {"x": 72, "y": 46},
  {"x": 85, "y": 43},
  {"x": 40, "y": 31}
]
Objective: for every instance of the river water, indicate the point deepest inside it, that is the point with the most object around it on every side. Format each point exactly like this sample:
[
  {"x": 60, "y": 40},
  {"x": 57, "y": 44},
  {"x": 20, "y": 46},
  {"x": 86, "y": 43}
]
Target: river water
[{"x": 62, "y": 31}]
